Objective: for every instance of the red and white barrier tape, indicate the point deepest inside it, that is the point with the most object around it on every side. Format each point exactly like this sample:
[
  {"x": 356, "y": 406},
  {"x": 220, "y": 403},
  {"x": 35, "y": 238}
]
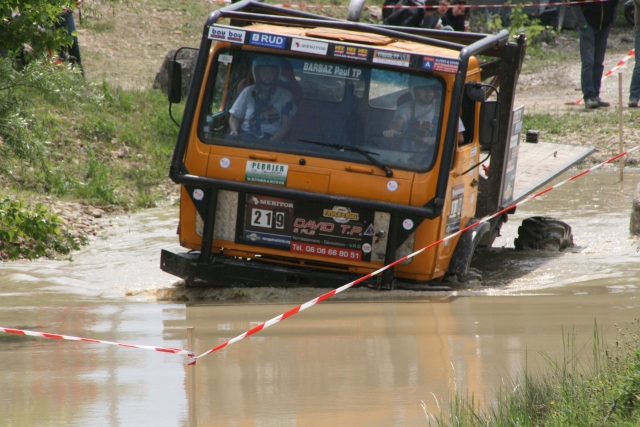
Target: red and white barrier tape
[
  {"x": 193, "y": 359},
  {"x": 497, "y": 6},
  {"x": 329, "y": 294},
  {"x": 466, "y": 6},
  {"x": 67, "y": 337},
  {"x": 608, "y": 73}
]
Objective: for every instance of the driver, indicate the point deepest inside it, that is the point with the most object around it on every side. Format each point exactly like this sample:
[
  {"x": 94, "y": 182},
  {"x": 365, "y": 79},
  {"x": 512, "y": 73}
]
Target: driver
[
  {"x": 265, "y": 109},
  {"x": 417, "y": 119}
]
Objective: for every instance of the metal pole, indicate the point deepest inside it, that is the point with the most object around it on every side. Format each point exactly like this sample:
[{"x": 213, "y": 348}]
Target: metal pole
[
  {"x": 620, "y": 124},
  {"x": 191, "y": 378}
]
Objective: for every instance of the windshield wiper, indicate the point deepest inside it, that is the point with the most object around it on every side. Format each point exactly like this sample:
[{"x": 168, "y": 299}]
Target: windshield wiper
[{"x": 388, "y": 172}]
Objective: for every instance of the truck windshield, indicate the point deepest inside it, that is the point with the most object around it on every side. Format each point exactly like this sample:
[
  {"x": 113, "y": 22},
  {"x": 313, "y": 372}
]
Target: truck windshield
[{"x": 274, "y": 103}]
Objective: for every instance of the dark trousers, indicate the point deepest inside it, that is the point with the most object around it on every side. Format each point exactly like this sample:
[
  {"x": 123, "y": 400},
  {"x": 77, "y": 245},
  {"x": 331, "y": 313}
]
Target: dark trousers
[
  {"x": 71, "y": 53},
  {"x": 634, "y": 89},
  {"x": 593, "y": 45}
]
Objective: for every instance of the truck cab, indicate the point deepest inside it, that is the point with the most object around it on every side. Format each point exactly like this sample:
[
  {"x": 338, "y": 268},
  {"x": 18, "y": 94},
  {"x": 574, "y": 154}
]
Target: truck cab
[{"x": 314, "y": 150}]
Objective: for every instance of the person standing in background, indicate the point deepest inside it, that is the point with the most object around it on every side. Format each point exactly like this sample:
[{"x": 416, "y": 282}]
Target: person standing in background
[
  {"x": 456, "y": 16},
  {"x": 70, "y": 53},
  {"x": 594, "y": 20},
  {"x": 432, "y": 16},
  {"x": 634, "y": 90}
]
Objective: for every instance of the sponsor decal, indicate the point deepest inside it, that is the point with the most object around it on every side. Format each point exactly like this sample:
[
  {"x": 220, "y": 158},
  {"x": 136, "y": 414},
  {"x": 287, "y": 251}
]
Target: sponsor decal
[
  {"x": 340, "y": 214},
  {"x": 224, "y": 34},
  {"x": 270, "y": 201},
  {"x": 225, "y": 59},
  {"x": 427, "y": 62},
  {"x": 267, "y": 220},
  {"x": 309, "y": 46},
  {"x": 225, "y": 162},
  {"x": 369, "y": 231},
  {"x": 407, "y": 224},
  {"x": 268, "y": 40},
  {"x": 198, "y": 194},
  {"x": 392, "y": 186},
  {"x": 322, "y": 250},
  {"x": 350, "y": 52},
  {"x": 339, "y": 232},
  {"x": 517, "y": 128},
  {"x": 266, "y": 173},
  {"x": 366, "y": 248},
  {"x": 513, "y": 142},
  {"x": 331, "y": 70},
  {"x": 391, "y": 58},
  {"x": 440, "y": 64},
  {"x": 268, "y": 239},
  {"x": 453, "y": 220},
  {"x": 517, "y": 115},
  {"x": 508, "y": 181},
  {"x": 252, "y": 236}
]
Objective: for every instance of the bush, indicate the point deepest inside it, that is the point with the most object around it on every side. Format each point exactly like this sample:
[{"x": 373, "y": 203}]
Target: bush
[{"x": 31, "y": 232}]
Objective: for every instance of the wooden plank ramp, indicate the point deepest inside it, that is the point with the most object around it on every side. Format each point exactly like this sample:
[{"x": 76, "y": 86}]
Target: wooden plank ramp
[{"x": 540, "y": 163}]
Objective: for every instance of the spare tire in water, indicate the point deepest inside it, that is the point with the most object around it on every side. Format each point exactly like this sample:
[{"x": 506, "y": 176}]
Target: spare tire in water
[{"x": 541, "y": 232}]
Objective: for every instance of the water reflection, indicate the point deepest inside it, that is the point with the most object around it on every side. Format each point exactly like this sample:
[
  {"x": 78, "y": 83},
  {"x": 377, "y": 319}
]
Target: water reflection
[{"x": 363, "y": 358}]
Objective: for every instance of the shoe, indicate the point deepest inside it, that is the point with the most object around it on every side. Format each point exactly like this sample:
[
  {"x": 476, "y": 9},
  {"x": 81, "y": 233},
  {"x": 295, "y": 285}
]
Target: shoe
[
  {"x": 602, "y": 103},
  {"x": 590, "y": 103},
  {"x": 633, "y": 102}
]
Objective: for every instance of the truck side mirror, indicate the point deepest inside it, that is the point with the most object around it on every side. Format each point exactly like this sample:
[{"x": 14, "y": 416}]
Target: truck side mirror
[
  {"x": 489, "y": 121},
  {"x": 476, "y": 92},
  {"x": 175, "y": 82}
]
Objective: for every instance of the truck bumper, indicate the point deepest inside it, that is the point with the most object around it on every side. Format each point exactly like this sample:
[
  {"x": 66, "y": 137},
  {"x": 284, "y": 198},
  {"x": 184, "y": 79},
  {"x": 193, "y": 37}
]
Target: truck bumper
[
  {"x": 224, "y": 272},
  {"x": 230, "y": 272}
]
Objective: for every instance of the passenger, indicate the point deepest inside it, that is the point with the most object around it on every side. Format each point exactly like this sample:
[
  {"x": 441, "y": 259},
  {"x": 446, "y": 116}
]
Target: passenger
[
  {"x": 417, "y": 120},
  {"x": 265, "y": 109}
]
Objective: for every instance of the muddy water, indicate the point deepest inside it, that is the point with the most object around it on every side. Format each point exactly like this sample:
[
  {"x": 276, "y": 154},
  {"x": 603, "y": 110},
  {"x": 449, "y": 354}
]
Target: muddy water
[{"x": 364, "y": 358}]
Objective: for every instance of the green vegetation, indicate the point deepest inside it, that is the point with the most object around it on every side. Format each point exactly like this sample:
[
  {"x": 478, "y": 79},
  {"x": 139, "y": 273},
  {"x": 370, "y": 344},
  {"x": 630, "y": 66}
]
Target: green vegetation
[
  {"x": 597, "y": 389},
  {"x": 21, "y": 23},
  {"x": 71, "y": 140},
  {"x": 31, "y": 232},
  {"x": 82, "y": 141}
]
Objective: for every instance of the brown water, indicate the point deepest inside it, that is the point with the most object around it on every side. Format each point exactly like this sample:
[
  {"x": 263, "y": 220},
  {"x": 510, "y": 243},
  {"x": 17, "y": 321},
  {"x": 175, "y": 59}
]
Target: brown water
[{"x": 363, "y": 358}]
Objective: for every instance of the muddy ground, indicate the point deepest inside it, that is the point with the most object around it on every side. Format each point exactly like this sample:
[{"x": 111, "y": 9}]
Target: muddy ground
[{"x": 126, "y": 47}]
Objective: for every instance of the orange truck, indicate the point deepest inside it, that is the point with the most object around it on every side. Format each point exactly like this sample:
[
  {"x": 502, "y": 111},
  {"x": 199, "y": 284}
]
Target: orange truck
[{"x": 313, "y": 150}]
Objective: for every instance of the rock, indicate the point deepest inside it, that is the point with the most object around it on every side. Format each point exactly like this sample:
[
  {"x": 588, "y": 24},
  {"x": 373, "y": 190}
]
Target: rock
[
  {"x": 375, "y": 12},
  {"x": 634, "y": 226},
  {"x": 187, "y": 59},
  {"x": 123, "y": 152},
  {"x": 97, "y": 213}
]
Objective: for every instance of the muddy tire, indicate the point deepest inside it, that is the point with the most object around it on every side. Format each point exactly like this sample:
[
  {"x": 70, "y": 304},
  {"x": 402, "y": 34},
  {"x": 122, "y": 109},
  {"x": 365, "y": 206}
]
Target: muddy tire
[{"x": 546, "y": 233}]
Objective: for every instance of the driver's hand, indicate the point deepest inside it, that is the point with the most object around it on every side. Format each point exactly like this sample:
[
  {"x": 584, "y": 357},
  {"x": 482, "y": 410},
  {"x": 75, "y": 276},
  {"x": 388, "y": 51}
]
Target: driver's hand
[{"x": 390, "y": 132}]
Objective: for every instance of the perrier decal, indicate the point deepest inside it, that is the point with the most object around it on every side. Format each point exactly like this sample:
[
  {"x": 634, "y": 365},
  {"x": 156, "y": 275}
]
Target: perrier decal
[{"x": 266, "y": 173}]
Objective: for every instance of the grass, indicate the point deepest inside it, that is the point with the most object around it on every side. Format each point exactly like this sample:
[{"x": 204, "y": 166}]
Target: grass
[
  {"x": 599, "y": 129},
  {"x": 109, "y": 148},
  {"x": 595, "y": 384}
]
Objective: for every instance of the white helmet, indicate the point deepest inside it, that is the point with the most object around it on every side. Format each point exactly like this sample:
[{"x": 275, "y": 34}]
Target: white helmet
[{"x": 265, "y": 61}]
